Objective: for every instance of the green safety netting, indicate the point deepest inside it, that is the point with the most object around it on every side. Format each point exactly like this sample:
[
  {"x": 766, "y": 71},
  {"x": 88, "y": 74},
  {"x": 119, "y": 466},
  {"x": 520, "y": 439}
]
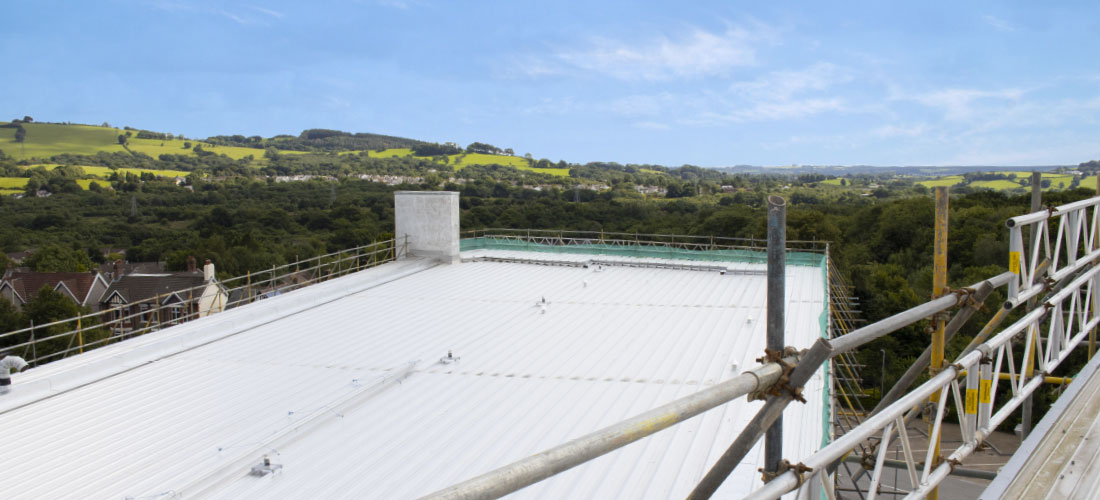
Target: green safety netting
[{"x": 642, "y": 250}]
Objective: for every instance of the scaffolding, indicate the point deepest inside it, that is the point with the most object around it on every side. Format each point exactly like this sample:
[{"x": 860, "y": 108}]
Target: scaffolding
[{"x": 1056, "y": 273}]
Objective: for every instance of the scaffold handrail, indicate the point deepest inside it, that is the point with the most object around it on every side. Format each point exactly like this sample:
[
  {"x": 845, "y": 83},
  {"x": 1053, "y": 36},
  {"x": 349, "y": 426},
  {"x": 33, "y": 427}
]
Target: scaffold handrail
[
  {"x": 318, "y": 268},
  {"x": 532, "y": 469},
  {"x": 1058, "y": 323}
]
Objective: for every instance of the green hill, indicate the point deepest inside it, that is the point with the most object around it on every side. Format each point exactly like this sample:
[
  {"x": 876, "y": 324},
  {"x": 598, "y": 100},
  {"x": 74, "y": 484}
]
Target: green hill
[
  {"x": 44, "y": 140},
  {"x": 1014, "y": 181}
]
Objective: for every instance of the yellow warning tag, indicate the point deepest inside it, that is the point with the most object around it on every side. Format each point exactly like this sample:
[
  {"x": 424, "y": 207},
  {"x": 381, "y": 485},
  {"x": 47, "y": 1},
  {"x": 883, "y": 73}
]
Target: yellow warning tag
[
  {"x": 971, "y": 401},
  {"x": 1014, "y": 262},
  {"x": 985, "y": 386}
]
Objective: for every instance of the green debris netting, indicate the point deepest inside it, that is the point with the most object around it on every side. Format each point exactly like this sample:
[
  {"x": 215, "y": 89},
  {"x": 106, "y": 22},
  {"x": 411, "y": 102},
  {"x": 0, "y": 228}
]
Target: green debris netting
[{"x": 643, "y": 251}]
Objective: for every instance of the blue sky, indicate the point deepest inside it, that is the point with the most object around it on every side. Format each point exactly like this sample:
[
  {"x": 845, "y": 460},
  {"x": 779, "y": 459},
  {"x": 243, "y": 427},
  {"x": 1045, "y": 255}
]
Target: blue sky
[{"x": 703, "y": 83}]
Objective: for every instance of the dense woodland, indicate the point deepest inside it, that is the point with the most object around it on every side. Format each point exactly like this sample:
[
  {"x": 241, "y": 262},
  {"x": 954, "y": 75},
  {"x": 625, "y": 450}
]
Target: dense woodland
[{"x": 231, "y": 212}]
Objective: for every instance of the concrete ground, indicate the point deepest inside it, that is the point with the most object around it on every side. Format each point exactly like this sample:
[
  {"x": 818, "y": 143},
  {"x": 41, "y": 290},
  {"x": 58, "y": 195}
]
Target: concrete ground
[{"x": 896, "y": 484}]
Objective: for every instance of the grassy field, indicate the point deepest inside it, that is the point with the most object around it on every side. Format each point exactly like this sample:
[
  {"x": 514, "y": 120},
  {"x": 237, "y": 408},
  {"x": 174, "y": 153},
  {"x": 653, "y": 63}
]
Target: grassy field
[
  {"x": 104, "y": 172},
  {"x": 13, "y": 182},
  {"x": 156, "y": 147},
  {"x": 510, "y": 161},
  {"x": 1057, "y": 181},
  {"x": 390, "y": 153},
  {"x": 950, "y": 180},
  {"x": 45, "y": 140},
  {"x": 13, "y": 185},
  {"x": 998, "y": 184},
  {"x": 139, "y": 171},
  {"x": 460, "y": 161},
  {"x": 85, "y": 183}
]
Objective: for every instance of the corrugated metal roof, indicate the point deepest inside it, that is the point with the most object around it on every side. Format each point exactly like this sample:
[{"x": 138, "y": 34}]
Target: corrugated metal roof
[{"x": 342, "y": 384}]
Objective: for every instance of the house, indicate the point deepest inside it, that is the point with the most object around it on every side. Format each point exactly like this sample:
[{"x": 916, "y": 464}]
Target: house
[
  {"x": 17, "y": 257},
  {"x": 85, "y": 289},
  {"x": 143, "y": 300},
  {"x": 117, "y": 269}
]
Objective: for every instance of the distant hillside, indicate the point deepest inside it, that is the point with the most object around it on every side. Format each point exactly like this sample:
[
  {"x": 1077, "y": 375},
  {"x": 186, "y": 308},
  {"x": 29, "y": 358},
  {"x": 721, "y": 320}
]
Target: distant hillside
[
  {"x": 925, "y": 171},
  {"x": 45, "y": 140},
  {"x": 318, "y": 139}
]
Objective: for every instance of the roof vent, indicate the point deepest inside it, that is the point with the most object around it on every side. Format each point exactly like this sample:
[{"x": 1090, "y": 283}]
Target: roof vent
[
  {"x": 265, "y": 468},
  {"x": 449, "y": 358}
]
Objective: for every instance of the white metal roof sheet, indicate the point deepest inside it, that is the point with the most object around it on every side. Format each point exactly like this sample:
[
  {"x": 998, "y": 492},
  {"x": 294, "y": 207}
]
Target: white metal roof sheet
[
  {"x": 1061, "y": 457},
  {"x": 342, "y": 384}
]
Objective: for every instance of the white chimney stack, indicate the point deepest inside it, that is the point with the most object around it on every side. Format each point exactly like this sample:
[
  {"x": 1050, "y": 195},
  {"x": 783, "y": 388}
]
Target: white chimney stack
[
  {"x": 208, "y": 271},
  {"x": 429, "y": 221}
]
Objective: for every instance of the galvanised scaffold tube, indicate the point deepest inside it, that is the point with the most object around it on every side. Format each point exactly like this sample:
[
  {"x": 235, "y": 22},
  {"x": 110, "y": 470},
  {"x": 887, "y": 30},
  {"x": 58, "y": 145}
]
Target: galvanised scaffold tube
[
  {"x": 770, "y": 413},
  {"x": 777, "y": 298},
  {"x": 530, "y": 470},
  {"x": 882, "y": 327},
  {"x": 836, "y": 450},
  {"x": 918, "y": 366}
]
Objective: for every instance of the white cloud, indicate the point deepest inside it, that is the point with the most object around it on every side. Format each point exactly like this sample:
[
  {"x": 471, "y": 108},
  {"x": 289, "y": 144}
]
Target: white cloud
[
  {"x": 887, "y": 131},
  {"x": 781, "y": 85},
  {"x": 697, "y": 53},
  {"x": 992, "y": 155},
  {"x": 397, "y": 4},
  {"x": 644, "y": 105},
  {"x": 959, "y": 104},
  {"x": 167, "y": 5},
  {"x": 787, "y": 94},
  {"x": 998, "y": 23},
  {"x": 774, "y": 96},
  {"x": 234, "y": 17},
  {"x": 652, "y": 125},
  {"x": 553, "y": 106},
  {"x": 783, "y": 109},
  {"x": 273, "y": 13}
]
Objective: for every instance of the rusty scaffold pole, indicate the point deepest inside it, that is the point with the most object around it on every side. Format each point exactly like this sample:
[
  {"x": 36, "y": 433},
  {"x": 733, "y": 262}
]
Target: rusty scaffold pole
[
  {"x": 1029, "y": 363},
  {"x": 777, "y": 263},
  {"x": 939, "y": 289}
]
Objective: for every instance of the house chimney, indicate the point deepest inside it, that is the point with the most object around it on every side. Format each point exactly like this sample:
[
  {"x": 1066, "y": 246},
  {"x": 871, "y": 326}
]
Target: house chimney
[
  {"x": 118, "y": 269},
  {"x": 428, "y": 222},
  {"x": 191, "y": 263},
  {"x": 208, "y": 271}
]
